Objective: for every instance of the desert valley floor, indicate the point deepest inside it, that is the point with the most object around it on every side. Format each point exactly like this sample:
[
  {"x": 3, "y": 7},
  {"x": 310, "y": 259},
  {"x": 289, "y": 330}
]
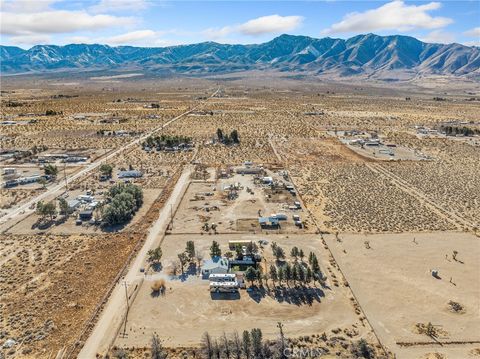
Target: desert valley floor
[{"x": 380, "y": 187}]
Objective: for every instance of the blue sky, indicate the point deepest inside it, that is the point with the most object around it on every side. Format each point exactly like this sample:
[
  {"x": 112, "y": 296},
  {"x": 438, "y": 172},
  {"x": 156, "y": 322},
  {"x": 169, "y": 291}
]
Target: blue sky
[{"x": 26, "y": 23}]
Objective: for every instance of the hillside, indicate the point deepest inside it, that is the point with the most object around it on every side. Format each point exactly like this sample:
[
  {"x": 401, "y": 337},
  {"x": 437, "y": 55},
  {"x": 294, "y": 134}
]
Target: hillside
[{"x": 370, "y": 55}]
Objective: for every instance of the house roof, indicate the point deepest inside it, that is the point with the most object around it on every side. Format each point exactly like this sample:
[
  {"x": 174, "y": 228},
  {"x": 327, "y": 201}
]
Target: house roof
[
  {"x": 216, "y": 262},
  {"x": 267, "y": 220},
  {"x": 235, "y": 262},
  {"x": 132, "y": 173},
  {"x": 73, "y": 203}
]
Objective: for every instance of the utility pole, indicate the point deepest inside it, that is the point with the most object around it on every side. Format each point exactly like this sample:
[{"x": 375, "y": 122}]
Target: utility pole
[
  {"x": 126, "y": 293},
  {"x": 171, "y": 216},
  {"x": 282, "y": 341},
  {"x": 65, "y": 176},
  {"x": 124, "y": 334}
]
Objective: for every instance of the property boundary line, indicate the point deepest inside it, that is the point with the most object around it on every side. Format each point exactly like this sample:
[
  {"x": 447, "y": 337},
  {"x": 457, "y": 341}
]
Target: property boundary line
[{"x": 334, "y": 259}]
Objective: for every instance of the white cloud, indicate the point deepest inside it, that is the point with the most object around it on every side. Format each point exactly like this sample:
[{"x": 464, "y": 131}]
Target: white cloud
[
  {"x": 147, "y": 38},
  {"x": 27, "y": 6},
  {"x": 472, "y": 43},
  {"x": 57, "y": 21},
  {"x": 30, "y": 39},
  {"x": 78, "y": 40},
  {"x": 395, "y": 15},
  {"x": 270, "y": 24},
  {"x": 213, "y": 33},
  {"x": 133, "y": 37},
  {"x": 119, "y": 5},
  {"x": 439, "y": 37},
  {"x": 255, "y": 27},
  {"x": 475, "y": 32}
]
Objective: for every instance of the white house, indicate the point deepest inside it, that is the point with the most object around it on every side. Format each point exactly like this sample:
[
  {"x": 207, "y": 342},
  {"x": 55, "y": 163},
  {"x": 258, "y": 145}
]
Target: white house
[{"x": 217, "y": 265}]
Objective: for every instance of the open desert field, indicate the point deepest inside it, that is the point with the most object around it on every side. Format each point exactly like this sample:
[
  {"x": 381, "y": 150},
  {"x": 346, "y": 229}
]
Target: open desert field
[
  {"x": 398, "y": 268},
  {"x": 336, "y": 170}
]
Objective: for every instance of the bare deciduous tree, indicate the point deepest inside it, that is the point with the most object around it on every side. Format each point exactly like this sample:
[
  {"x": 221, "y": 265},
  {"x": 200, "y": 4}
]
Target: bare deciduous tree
[
  {"x": 216, "y": 350},
  {"x": 207, "y": 346},
  {"x": 226, "y": 346},
  {"x": 246, "y": 344},
  {"x": 237, "y": 346}
]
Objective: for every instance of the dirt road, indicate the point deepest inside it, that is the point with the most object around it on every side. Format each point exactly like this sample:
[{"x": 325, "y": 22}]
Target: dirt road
[
  {"x": 113, "y": 314},
  {"x": 454, "y": 218}
]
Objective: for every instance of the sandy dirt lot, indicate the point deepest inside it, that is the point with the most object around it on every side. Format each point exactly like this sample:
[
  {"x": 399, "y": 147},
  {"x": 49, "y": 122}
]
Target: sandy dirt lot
[
  {"x": 208, "y": 202},
  {"x": 394, "y": 285},
  {"x": 188, "y": 302}
]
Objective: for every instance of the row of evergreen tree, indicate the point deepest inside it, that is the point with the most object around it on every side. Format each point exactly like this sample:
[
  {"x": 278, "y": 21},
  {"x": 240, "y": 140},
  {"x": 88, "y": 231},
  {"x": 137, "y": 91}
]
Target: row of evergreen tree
[
  {"x": 249, "y": 345},
  {"x": 166, "y": 141},
  {"x": 456, "y": 130}
]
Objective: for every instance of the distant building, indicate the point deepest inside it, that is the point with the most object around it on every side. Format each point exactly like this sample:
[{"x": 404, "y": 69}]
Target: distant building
[
  {"x": 269, "y": 222},
  {"x": 86, "y": 215},
  {"x": 243, "y": 263},
  {"x": 239, "y": 242},
  {"x": 73, "y": 159},
  {"x": 9, "y": 171},
  {"x": 73, "y": 205},
  {"x": 279, "y": 216},
  {"x": 249, "y": 170},
  {"x": 130, "y": 174},
  {"x": 85, "y": 198},
  {"x": 30, "y": 179},
  {"x": 267, "y": 180}
]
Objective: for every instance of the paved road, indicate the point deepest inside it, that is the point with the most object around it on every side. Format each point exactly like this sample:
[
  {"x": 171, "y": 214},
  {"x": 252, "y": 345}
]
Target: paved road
[
  {"x": 111, "y": 319},
  {"x": 54, "y": 191}
]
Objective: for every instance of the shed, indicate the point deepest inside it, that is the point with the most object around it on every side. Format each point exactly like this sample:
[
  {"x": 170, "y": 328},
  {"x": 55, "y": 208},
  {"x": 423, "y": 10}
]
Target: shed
[
  {"x": 85, "y": 215},
  {"x": 267, "y": 180}
]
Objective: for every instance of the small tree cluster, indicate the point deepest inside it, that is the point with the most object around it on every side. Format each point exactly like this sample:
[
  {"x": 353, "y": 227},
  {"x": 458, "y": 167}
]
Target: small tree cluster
[
  {"x": 227, "y": 139},
  {"x": 50, "y": 170},
  {"x": 126, "y": 199},
  {"x": 63, "y": 204},
  {"x": 154, "y": 255},
  {"x": 278, "y": 251},
  {"x": 46, "y": 209},
  {"x": 52, "y": 113},
  {"x": 252, "y": 274},
  {"x": 106, "y": 170},
  {"x": 188, "y": 255},
  {"x": 362, "y": 349}
]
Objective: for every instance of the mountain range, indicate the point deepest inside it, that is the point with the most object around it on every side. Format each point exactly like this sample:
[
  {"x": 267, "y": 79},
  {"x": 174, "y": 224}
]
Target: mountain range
[{"x": 365, "y": 55}]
